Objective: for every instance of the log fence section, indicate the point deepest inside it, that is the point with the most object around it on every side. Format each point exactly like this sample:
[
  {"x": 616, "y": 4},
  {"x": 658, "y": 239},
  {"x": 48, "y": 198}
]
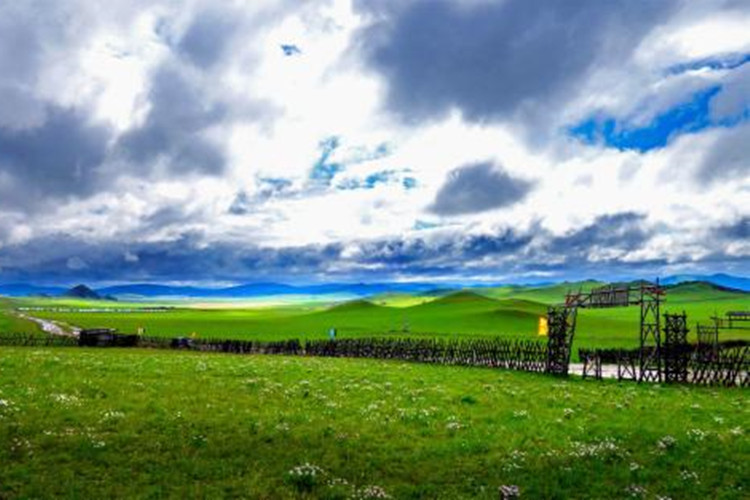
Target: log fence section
[{"x": 727, "y": 364}]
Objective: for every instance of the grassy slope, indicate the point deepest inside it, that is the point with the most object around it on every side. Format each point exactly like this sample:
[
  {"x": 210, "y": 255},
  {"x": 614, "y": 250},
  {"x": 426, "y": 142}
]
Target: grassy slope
[
  {"x": 10, "y": 323},
  {"x": 512, "y": 314},
  {"x": 547, "y": 294},
  {"x": 174, "y": 424}
]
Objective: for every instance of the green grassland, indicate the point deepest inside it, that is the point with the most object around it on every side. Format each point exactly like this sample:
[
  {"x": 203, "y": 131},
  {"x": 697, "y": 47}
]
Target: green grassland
[
  {"x": 510, "y": 312},
  {"x": 87, "y": 423},
  {"x": 9, "y": 322}
]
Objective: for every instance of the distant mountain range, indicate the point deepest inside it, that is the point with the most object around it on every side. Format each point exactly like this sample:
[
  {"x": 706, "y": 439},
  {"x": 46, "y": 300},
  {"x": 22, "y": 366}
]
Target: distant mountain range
[
  {"x": 263, "y": 290},
  {"x": 724, "y": 280},
  {"x": 138, "y": 291}
]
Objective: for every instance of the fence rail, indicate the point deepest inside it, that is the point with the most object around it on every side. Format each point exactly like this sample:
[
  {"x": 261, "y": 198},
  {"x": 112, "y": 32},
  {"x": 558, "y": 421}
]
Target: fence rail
[
  {"x": 495, "y": 353},
  {"x": 726, "y": 364},
  {"x": 36, "y": 340}
]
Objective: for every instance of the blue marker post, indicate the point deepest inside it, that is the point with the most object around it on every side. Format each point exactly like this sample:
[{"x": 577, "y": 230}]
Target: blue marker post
[{"x": 332, "y": 334}]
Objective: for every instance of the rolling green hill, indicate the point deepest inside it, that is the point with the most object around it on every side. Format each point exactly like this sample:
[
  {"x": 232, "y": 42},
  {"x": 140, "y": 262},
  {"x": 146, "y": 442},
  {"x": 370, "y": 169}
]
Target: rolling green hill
[{"x": 511, "y": 312}]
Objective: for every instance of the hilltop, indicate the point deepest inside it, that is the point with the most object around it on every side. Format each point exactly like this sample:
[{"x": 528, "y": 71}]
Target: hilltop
[{"x": 86, "y": 293}]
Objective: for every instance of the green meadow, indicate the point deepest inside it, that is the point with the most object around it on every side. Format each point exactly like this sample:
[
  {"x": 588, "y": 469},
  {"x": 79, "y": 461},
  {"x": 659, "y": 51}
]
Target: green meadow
[
  {"x": 88, "y": 423},
  {"x": 511, "y": 312}
]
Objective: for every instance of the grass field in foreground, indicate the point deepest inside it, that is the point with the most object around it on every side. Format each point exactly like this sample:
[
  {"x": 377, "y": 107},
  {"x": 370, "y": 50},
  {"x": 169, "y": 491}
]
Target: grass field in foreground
[
  {"x": 83, "y": 423},
  {"x": 507, "y": 312}
]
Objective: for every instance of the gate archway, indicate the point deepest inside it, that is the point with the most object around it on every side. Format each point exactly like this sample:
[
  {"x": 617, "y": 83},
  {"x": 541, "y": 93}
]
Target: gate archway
[{"x": 561, "y": 320}]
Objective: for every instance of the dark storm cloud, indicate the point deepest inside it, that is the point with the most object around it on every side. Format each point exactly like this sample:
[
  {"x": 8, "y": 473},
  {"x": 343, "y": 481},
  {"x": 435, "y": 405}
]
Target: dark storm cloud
[
  {"x": 490, "y": 59},
  {"x": 622, "y": 231},
  {"x": 57, "y": 258},
  {"x": 736, "y": 231},
  {"x": 728, "y": 159},
  {"x": 60, "y": 158},
  {"x": 207, "y": 37},
  {"x": 478, "y": 187},
  {"x": 174, "y": 130},
  {"x": 29, "y": 33},
  {"x": 402, "y": 254},
  {"x": 47, "y": 151},
  {"x": 505, "y": 252}
]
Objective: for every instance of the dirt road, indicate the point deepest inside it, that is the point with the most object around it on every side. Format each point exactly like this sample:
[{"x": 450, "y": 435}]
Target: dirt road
[{"x": 51, "y": 327}]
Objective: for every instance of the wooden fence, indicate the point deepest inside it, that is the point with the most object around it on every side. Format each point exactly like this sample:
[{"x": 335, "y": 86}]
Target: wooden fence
[
  {"x": 36, "y": 340},
  {"x": 726, "y": 364},
  {"x": 495, "y": 353}
]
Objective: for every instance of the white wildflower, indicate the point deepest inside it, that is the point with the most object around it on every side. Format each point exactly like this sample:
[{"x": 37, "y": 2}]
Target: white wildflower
[
  {"x": 453, "y": 425},
  {"x": 369, "y": 492},
  {"x": 687, "y": 475},
  {"x": 666, "y": 443},
  {"x": 636, "y": 491},
  {"x": 112, "y": 415},
  {"x": 696, "y": 434},
  {"x": 306, "y": 476},
  {"x": 507, "y": 492},
  {"x": 607, "y": 448}
]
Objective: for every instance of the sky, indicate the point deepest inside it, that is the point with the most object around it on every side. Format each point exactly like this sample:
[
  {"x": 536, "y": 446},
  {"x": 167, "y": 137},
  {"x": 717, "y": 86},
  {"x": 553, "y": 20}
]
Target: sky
[{"x": 196, "y": 141}]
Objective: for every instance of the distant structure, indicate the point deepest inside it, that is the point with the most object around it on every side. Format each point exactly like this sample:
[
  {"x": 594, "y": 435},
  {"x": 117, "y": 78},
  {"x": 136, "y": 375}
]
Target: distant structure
[
  {"x": 561, "y": 323},
  {"x": 106, "y": 337},
  {"x": 708, "y": 335}
]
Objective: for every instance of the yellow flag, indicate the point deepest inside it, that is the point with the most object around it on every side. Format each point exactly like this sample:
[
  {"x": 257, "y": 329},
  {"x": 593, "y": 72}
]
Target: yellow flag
[{"x": 543, "y": 326}]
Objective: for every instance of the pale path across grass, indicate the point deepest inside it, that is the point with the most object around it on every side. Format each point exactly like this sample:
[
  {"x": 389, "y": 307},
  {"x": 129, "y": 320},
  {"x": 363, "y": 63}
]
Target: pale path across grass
[
  {"x": 51, "y": 327},
  {"x": 608, "y": 371},
  {"x": 104, "y": 423}
]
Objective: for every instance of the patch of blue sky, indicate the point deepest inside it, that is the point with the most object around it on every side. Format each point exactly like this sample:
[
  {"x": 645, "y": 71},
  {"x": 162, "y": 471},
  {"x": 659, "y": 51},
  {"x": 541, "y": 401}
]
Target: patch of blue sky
[
  {"x": 379, "y": 177},
  {"x": 361, "y": 155},
  {"x": 420, "y": 225},
  {"x": 690, "y": 116},
  {"x": 290, "y": 50},
  {"x": 277, "y": 183},
  {"x": 715, "y": 63},
  {"x": 382, "y": 177},
  {"x": 324, "y": 170},
  {"x": 409, "y": 183},
  {"x": 369, "y": 182},
  {"x": 348, "y": 184}
]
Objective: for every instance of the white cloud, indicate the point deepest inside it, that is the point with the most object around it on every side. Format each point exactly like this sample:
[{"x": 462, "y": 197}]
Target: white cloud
[{"x": 278, "y": 109}]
